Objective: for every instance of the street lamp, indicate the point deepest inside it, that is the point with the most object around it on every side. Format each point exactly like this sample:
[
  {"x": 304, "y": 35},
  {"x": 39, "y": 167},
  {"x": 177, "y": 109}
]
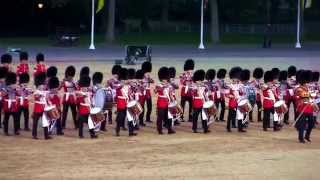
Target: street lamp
[
  {"x": 40, "y": 5},
  {"x": 201, "y": 46}
]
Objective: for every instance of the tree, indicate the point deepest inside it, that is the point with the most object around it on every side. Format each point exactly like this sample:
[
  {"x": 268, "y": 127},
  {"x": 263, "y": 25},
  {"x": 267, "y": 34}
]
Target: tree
[
  {"x": 165, "y": 13},
  {"x": 110, "y": 33},
  {"x": 214, "y": 14}
]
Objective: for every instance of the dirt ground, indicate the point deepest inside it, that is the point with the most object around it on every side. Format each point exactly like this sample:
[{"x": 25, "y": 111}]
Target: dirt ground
[{"x": 184, "y": 155}]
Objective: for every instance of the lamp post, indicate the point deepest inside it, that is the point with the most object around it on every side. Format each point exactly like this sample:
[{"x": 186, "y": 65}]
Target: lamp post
[
  {"x": 92, "y": 47},
  {"x": 298, "y": 44},
  {"x": 201, "y": 46}
]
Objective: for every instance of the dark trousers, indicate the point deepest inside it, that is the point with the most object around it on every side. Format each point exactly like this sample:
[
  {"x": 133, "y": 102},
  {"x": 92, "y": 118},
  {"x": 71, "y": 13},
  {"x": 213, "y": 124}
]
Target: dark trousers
[
  {"x": 0, "y": 114},
  {"x": 36, "y": 117},
  {"x": 185, "y": 99},
  {"x": 120, "y": 120},
  {"x": 241, "y": 124},
  {"x": 83, "y": 119},
  {"x": 149, "y": 109},
  {"x": 286, "y": 115},
  {"x": 305, "y": 123},
  {"x": 6, "y": 121},
  {"x": 231, "y": 118},
  {"x": 195, "y": 115},
  {"x": 162, "y": 117},
  {"x": 267, "y": 113},
  {"x": 141, "y": 117},
  {"x": 73, "y": 108},
  {"x": 25, "y": 112},
  {"x": 222, "y": 103},
  {"x": 59, "y": 127}
]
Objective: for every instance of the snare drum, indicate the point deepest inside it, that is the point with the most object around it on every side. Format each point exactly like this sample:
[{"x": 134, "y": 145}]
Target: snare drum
[
  {"x": 280, "y": 107},
  {"x": 244, "y": 106},
  {"x": 134, "y": 108},
  {"x": 175, "y": 109},
  {"x": 316, "y": 105},
  {"x": 52, "y": 112},
  {"x": 96, "y": 115},
  {"x": 210, "y": 108}
]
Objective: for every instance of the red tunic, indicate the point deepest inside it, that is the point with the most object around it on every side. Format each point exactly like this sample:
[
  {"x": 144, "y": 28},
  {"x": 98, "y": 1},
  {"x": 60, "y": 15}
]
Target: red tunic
[
  {"x": 123, "y": 95},
  {"x": 302, "y": 100},
  {"x": 39, "y": 68},
  {"x": 141, "y": 92},
  {"x": 10, "y": 101},
  {"x": 233, "y": 96},
  {"x": 163, "y": 91},
  {"x": 84, "y": 106},
  {"x": 186, "y": 81},
  {"x": 198, "y": 95},
  {"x": 54, "y": 99},
  {"x": 40, "y": 101},
  {"x": 23, "y": 98},
  {"x": 219, "y": 94},
  {"x": 69, "y": 88},
  {"x": 269, "y": 98},
  {"x": 147, "y": 83},
  {"x": 22, "y": 68}
]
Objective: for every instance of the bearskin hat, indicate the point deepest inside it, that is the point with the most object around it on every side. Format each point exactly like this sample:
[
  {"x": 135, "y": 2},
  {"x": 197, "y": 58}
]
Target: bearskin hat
[
  {"x": 172, "y": 72},
  {"x": 221, "y": 73},
  {"x": 53, "y": 83},
  {"x": 85, "y": 71},
  {"x": 268, "y": 76},
  {"x": 115, "y": 69},
  {"x": 304, "y": 76},
  {"x": 308, "y": 76},
  {"x": 6, "y": 58},
  {"x": 24, "y": 56},
  {"x": 39, "y": 57},
  {"x": 123, "y": 74},
  {"x": 70, "y": 71},
  {"x": 199, "y": 75},
  {"x": 84, "y": 81},
  {"x": 292, "y": 71},
  {"x": 283, "y": 76},
  {"x": 299, "y": 75},
  {"x": 315, "y": 76},
  {"x": 245, "y": 75},
  {"x": 24, "y": 78},
  {"x": 146, "y": 67},
  {"x": 163, "y": 73},
  {"x": 3, "y": 72},
  {"x": 235, "y": 73},
  {"x": 139, "y": 74},
  {"x": 11, "y": 78},
  {"x": 131, "y": 73},
  {"x": 275, "y": 72},
  {"x": 52, "y": 71},
  {"x": 40, "y": 79},
  {"x": 97, "y": 78},
  {"x": 210, "y": 74},
  {"x": 258, "y": 73},
  {"x": 188, "y": 65}
]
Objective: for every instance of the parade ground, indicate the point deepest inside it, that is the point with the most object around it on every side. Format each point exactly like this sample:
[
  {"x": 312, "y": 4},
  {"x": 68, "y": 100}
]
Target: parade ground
[{"x": 184, "y": 155}]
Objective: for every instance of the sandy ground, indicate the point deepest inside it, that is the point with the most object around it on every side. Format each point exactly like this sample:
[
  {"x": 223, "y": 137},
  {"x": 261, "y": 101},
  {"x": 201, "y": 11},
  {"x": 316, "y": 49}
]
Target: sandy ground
[{"x": 218, "y": 155}]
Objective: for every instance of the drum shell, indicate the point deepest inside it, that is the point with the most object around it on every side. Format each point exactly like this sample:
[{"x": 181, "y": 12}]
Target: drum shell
[
  {"x": 96, "y": 118},
  {"x": 53, "y": 113},
  {"x": 245, "y": 108},
  {"x": 136, "y": 109}
]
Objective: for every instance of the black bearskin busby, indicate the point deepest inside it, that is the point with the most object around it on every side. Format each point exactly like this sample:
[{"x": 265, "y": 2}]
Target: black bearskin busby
[
  {"x": 123, "y": 74},
  {"x": 221, "y": 73},
  {"x": 53, "y": 83},
  {"x": 40, "y": 57},
  {"x": 172, "y": 72},
  {"x": 11, "y": 78},
  {"x": 24, "y": 78},
  {"x": 268, "y": 76},
  {"x": 85, "y": 81},
  {"x": 6, "y": 58},
  {"x": 70, "y": 71},
  {"x": 24, "y": 56},
  {"x": 292, "y": 71},
  {"x": 40, "y": 79},
  {"x": 199, "y": 75},
  {"x": 210, "y": 74},
  {"x": 146, "y": 67},
  {"x": 52, "y": 71},
  {"x": 188, "y": 65},
  {"x": 139, "y": 74},
  {"x": 3, "y": 72},
  {"x": 258, "y": 73},
  {"x": 115, "y": 69},
  {"x": 235, "y": 73},
  {"x": 299, "y": 75},
  {"x": 315, "y": 76},
  {"x": 97, "y": 78},
  {"x": 245, "y": 75},
  {"x": 131, "y": 73},
  {"x": 283, "y": 76},
  {"x": 276, "y": 73},
  {"x": 163, "y": 73},
  {"x": 85, "y": 71}
]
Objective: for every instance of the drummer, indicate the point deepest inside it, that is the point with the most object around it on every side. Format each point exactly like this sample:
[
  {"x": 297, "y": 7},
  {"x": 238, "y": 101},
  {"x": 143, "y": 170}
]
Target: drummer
[
  {"x": 147, "y": 69},
  {"x": 85, "y": 99},
  {"x": 304, "y": 107},
  {"x": 257, "y": 83},
  {"x": 219, "y": 97},
  {"x": 99, "y": 96},
  {"x": 199, "y": 97},
  {"x": 3, "y": 73},
  {"x": 134, "y": 93},
  {"x": 163, "y": 91},
  {"x": 284, "y": 95},
  {"x": 173, "y": 87},
  {"x": 141, "y": 94},
  {"x": 233, "y": 96},
  {"x": 314, "y": 87},
  {"x": 292, "y": 83},
  {"x": 244, "y": 90},
  {"x": 23, "y": 93}
]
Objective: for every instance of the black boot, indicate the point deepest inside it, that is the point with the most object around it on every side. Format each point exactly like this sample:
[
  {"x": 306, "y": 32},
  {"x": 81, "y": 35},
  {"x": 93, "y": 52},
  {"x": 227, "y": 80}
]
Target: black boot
[
  {"x": 93, "y": 134},
  {"x": 240, "y": 126},
  {"x": 46, "y": 133}
]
